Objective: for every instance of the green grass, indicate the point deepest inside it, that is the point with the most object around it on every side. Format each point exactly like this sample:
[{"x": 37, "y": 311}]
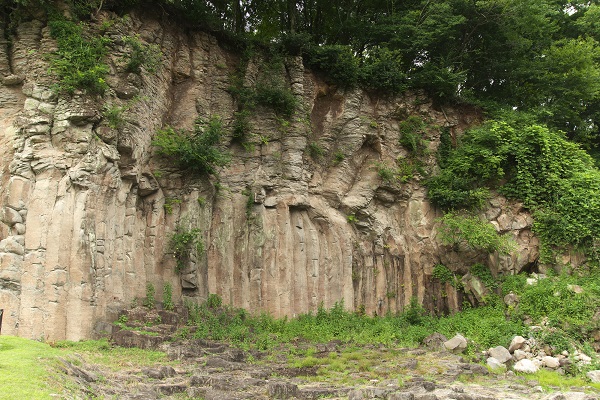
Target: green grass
[
  {"x": 114, "y": 357},
  {"x": 25, "y": 369},
  {"x": 552, "y": 380},
  {"x": 28, "y": 368}
]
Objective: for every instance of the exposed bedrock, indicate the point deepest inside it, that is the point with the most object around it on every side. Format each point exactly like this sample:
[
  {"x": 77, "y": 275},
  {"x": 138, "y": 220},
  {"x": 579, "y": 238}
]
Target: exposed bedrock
[{"x": 87, "y": 209}]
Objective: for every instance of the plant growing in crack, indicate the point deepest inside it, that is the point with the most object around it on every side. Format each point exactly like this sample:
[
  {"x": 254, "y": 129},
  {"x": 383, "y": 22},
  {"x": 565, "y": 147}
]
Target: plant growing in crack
[{"x": 183, "y": 243}]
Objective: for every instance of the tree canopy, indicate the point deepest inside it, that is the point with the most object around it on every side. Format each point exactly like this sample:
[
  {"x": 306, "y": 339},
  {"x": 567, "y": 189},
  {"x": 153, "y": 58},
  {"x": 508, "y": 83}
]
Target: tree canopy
[{"x": 539, "y": 56}]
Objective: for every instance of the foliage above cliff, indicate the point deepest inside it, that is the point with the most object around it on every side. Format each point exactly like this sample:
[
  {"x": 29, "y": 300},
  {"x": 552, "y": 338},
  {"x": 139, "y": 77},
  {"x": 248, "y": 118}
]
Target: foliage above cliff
[{"x": 540, "y": 56}]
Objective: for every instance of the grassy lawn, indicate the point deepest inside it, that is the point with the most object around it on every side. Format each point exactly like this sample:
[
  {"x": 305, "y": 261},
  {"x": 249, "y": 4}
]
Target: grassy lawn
[
  {"x": 28, "y": 368},
  {"x": 25, "y": 367}
]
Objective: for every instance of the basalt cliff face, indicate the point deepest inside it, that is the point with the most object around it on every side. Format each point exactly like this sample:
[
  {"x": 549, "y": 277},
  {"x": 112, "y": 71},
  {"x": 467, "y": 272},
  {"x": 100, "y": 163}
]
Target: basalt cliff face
[{"x": 87, "y": 210}]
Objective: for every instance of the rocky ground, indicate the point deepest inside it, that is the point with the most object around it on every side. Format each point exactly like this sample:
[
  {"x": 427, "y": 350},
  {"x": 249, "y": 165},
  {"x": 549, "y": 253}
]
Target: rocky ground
[{"x": 202, "y": 369}]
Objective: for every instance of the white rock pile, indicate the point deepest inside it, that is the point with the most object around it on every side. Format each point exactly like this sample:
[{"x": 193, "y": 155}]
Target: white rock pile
[{"x": 525, "y": 355}]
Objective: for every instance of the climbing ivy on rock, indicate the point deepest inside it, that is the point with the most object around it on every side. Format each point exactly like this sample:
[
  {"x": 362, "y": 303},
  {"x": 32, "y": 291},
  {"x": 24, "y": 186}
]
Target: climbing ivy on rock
[{"x": 552, "y": 176}]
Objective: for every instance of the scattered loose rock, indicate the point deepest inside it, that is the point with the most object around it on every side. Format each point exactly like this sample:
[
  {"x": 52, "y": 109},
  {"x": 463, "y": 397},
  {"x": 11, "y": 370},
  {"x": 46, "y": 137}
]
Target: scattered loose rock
[
  {"x": 500, "y": 353},
  {"x": 517, "y": 343},
  {"x": 594, "y": 376},
  {"x": 527, "y": 366},
  {"x": 457, "y": 344}
]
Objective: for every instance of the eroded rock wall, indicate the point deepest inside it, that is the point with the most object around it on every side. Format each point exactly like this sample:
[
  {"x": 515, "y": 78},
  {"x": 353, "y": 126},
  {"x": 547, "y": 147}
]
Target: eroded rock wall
[{"x": 88, "y": 209}]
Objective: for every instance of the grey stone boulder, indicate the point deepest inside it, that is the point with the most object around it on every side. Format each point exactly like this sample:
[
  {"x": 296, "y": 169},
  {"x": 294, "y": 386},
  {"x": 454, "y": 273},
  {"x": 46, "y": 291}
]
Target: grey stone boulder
[
  {"x": 517, "y": 343},
  {"x": 282, "y": 390},
  {"x": 550, "y": 362},
  {"x": 500, "y": 353},
  {"x": 495, "y": 364},
  {"x": 519, "y": 355},
  {"x": 457, "y": 344},
  {"x": 526, "y": 366},
  {"x": 12, "y": 80},
  {"x": 511, "y": 300},
  {"x": 435, "y": 341},
  {"x": 594, "y": 376}
]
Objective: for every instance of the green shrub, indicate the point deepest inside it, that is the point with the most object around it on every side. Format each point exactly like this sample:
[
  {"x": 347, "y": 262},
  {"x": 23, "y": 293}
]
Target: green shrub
[
  {"x": 382, "y": 72},
  {"x": 79, "y": 60},
  {"x": 197, "y": 151},
  {"x": 182, "y": 243},
  {"x": 336, "y": 62},
  {"x": 315, "y": 150},
  {"x": 214, "y": 301},
  {"x": 295, "y": 43},
  {"x": 141, "y": 55},
  {"x": 452, "y": 191},
  {"x": 385, "y": 172},
  {"x": 485, "y": 275},
  {"x": 551, "y": 176},
  {"x": 439, "y": 80},
  {"x": 411, "y": 134},
  {"x": 149, "y": 299},
  {"x": 114, "y": 113},
  {"x": 472, "y": 232},
  {"x": 444, "y": 275},
  {"x": 277, "y": 97},
  {"x": 241, "y": 125},
  {"x": 168, "y": 297},
  {"x": 114, "y": 116},
  {"x": 415, "y": 312},
  {"x": 552, "y": 298}
]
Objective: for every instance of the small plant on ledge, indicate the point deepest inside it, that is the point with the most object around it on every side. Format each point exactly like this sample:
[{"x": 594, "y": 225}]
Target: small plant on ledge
[
  {"x": 197, "y": 151},
  {"x": 184, "y": 242}
]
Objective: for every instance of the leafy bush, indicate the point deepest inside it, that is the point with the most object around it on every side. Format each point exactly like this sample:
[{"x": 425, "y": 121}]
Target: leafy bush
[
  {"x": 444, "y": 275},
  {"x": 553, "y": 299},
  {"x": 114, "y": 113},
  {"x": 483, "y": 272},
  {"x": 168, "y": 297},
  {"x": 336, "y": 62},
  {"x": 385, "y": 172},
  {"x": 550, "y": 175},
  {"x": 438, "y": 80},
  {"x": 149, "y": 299},
  {"x": 472, "y": 232},
  {"x": 295, "y": 43},
  {"x": 382, "y": 72},
  {"x": 183, "y": 242},
  {"x": 315, "y": 150},
  {"x": 411, "y": 134},
  {"x": 241, "y": 125},
  {"x": 276, "y": 96},
  {"x": 214, "y": 301},
  {"x": 414, "y": 313},
  {"x": 141, "y": 55},
  {"x": 79, "y": 60},
  {"x": 197, "y": 151}
]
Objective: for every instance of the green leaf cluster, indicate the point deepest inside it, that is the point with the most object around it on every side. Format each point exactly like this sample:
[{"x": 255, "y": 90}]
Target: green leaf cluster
[
  {"x": 168, "y": 297},
  {"x": 551, "y": 175},
  {"x": 445, "y": 275},
  {"x": 184, "y": 242},
  {"x": 472, "y": 232},
  {"x": 141, "y": 55},
  {"x": 566, "y": 312},
  {"x": 412, "y": 130},
  {"x": 79, "y": 60},
  {"x": 197, "y": 151},
  {"x": 336, "y": 62},
  {"x": 269, "y": 90}
]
